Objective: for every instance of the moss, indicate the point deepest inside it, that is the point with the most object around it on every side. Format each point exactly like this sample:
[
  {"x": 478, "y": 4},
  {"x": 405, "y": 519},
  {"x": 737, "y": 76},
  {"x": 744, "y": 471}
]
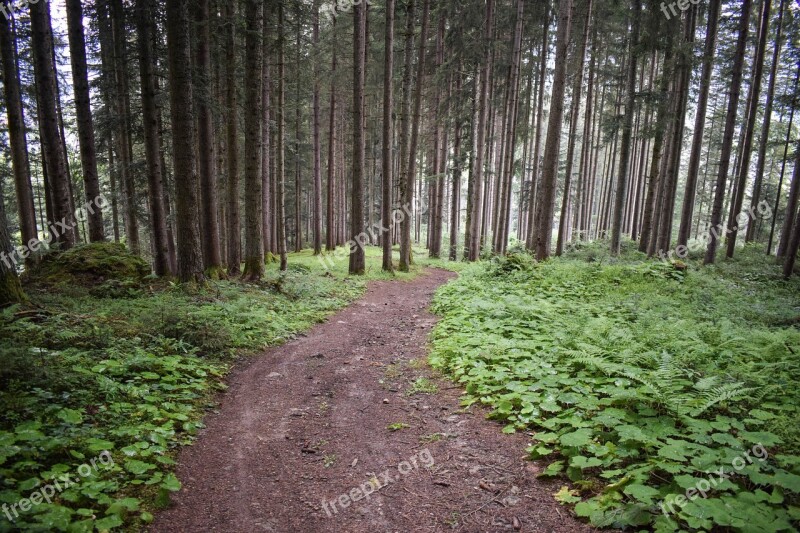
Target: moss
[
  {"x": 11, "y": 290},
  {"x": 89, "y": 265}
]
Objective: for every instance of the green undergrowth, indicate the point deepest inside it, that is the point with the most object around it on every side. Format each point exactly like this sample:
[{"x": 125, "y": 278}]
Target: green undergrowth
[
  {"x": 638, "y": 381},
  {"x": 109, "y": 361}
]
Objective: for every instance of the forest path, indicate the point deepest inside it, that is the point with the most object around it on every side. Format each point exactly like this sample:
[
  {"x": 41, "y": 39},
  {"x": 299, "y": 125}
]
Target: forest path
[{"x": 309, "y": 422}]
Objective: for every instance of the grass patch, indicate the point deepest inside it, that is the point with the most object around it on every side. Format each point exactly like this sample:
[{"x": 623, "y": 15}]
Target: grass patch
[
  {"x": 640, "y": 380},
  {"x": 422, "y": 386}
]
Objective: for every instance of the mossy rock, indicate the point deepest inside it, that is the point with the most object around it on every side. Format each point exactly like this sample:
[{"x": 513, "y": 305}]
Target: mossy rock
[{"x": 89, "y": 265}]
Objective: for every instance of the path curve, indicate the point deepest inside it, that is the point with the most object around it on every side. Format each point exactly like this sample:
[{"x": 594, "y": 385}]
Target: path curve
[{"x": 307, "y": 423}]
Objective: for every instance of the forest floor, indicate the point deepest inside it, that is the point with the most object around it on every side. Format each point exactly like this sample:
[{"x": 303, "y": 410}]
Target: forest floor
[{"x": 307, "y": 429}]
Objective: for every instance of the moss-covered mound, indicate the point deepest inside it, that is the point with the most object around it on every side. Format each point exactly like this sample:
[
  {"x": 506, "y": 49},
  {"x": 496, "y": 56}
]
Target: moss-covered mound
[{"x": 90, "y": 265}]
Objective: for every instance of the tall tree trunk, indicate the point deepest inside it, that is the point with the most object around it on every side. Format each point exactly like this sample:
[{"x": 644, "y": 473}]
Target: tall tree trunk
[
  {"x": 152, "y": 139},
  {"x": 577, "y": 85},
  {"x": 187, "y": 202},
  {"x": 455, "y": 181},
  {"x": 476, "y": 216},
  {"x": 123, "y": 137},
  {"x": 233, "y": 223},
  {"x": 267, "y": 214},
  {"x": 792, "y": 227},
  {"x": 83, "y": 112},
  {"x": 765, "y": 126},
  {"x": 330, "y": 235},
  {"x": 55, "y": 157},
  {"x": 387, "y": 163},
  {"x": 16, "y": 132},
  {"x": 727, "y": 137},
  {"x": 779, "y": 193},
  {"x": 357, "y": 265},
  {"x": 625, "y": 163},
  {"x": 317, "y": 203},
  {"x": 699, "y": 124},
  {"x": 530, "y": 242},
  {"x": 280, "y": 144},
  {"x": 753, "y": 98},
  {"x": 546, "y": 203},
  {"x": 407, "y": 179},
  {"x": 209, "y": 221},
  {"x": 253, "y": 208}
]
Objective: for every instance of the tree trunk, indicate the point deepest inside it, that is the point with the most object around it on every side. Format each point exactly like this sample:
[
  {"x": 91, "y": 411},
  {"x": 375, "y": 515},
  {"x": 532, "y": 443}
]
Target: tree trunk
[
  {"x": 753, "y": 98},
  {"x": 727, "y": 137},
  {"x": 55, "y": 157},
  {"x": 123, "y": 137},
  {"x": 387, "y": 163},
  {"x": 267, "y": 214},
  {"x": 330, "y": 235},
  {"x": 407, "y": 179},
  {"x": 765, "y": 126},
  {"x": 233, "y": 223},
  {"x": 187, "y": 202},
  {"x": 209, "y": 221},
  {"x": 253, "y": 208},
  {"x": 577, "y": 85},
  {"x": 625, "y": 163},
  {"x": 530, "y": 242},
  {"x": 83, "y": 112},
  {"x": 357, "y": 265},
  {"x": 546, "y": 203},
  {"x": 10, "y": 288},
  {"x": 476, "y": 216},
  {"x": 280, "y": 167},
  {"x": 699, "y": 124},
  {"x": 16, "y": 132},
  {"x": 152, "y": 139},
  {"x": 317, "y": 203}
]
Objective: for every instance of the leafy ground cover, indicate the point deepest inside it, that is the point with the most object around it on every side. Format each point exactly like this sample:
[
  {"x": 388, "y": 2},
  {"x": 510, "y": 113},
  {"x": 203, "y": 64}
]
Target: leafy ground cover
[
  {"x": 666, "y": 394},
  {"x": 129, "y": 366}
]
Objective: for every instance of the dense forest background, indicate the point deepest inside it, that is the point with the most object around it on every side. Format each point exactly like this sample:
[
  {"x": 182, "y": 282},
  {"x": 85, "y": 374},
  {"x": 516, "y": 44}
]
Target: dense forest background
[{"x": 222, "y": 134}]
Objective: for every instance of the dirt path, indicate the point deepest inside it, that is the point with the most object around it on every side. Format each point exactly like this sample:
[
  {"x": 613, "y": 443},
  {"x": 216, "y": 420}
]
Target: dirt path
[{"x": 307, "y": 423}]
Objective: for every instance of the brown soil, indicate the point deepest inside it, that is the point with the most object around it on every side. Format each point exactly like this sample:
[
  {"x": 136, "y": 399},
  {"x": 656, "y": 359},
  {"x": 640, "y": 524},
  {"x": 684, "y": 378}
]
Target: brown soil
[{"x": 309, "y": 421}]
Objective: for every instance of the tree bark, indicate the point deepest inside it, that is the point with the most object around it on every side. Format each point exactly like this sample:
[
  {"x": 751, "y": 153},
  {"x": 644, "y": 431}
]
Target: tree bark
[
  {"x": 152, "y": 139},
  {"x": 16, "y": 132},
  {"x": 187, "y": 202},
  {"x": 253, "y": 208},
  {"x": 546, "y": 203},
  {"x": 83, "y": 113},
  {"x": 755, "y": 92},
  {"x": 699, "y": 124},
  {"x": 765, "y": 126},
  {"x": 727, "y": 137},
  {"x": 387, "y": 163},
  {"x": 476, "y": 215},
  {"x": 233, "y": 223},
  {"x": 55, "y": 157}
]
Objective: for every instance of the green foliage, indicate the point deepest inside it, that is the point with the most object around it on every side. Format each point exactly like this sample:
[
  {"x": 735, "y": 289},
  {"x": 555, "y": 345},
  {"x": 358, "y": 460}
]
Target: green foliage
[
  {"x": 89, "y": 265},
  {"x": 119, "y": 366},
  {"x": 639, "y": 380}
]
